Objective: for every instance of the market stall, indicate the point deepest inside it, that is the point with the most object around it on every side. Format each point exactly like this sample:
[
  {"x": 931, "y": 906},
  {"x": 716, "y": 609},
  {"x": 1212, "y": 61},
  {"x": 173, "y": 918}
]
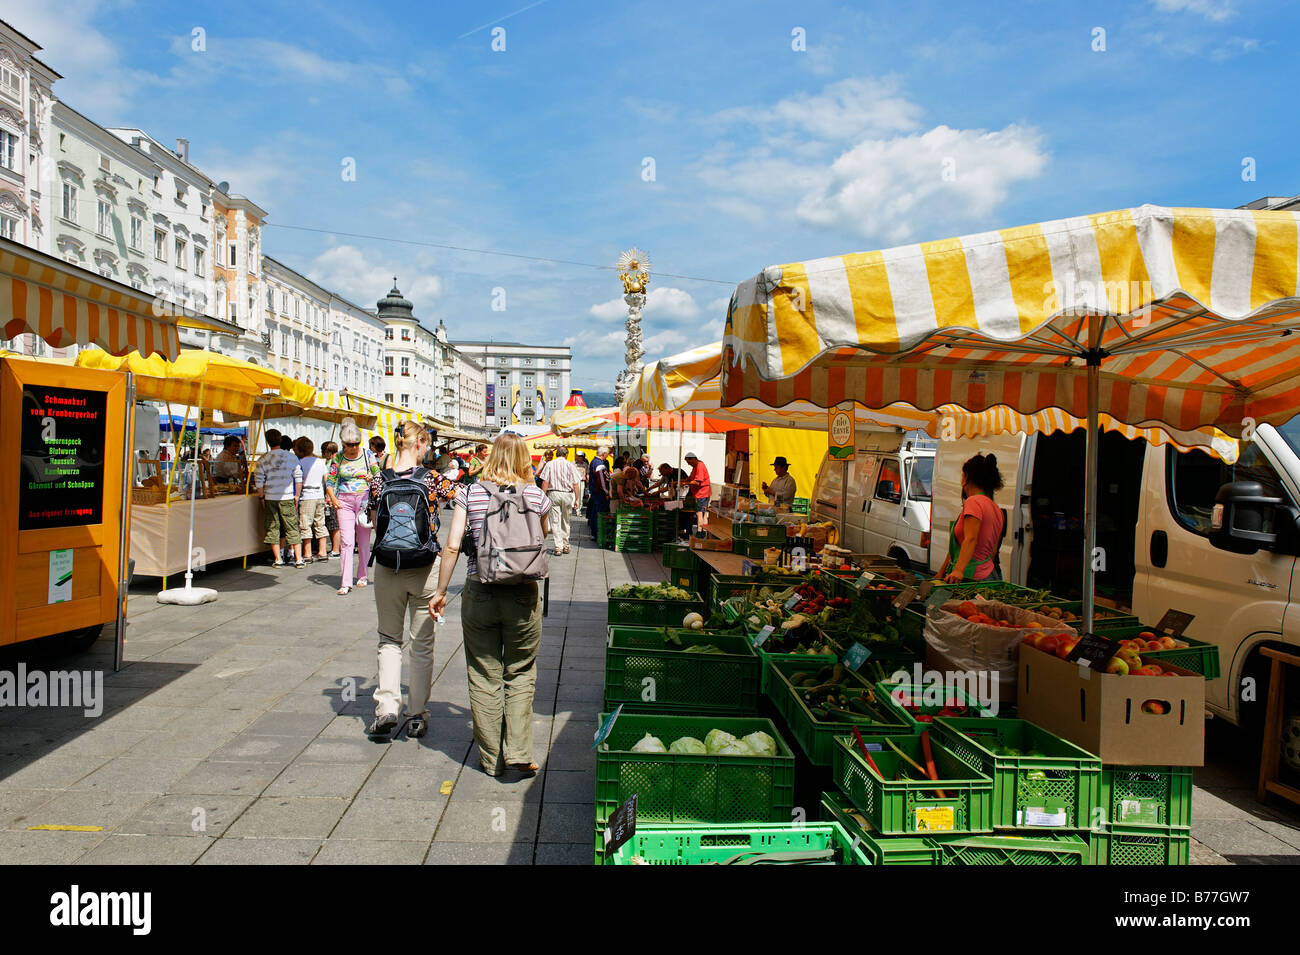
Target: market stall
[{"x": 226, "y": 518}]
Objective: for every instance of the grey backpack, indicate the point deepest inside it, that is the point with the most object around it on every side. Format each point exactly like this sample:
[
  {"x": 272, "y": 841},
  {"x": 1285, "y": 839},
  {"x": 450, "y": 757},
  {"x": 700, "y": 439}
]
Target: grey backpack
[{"x": 511, "y": 545}]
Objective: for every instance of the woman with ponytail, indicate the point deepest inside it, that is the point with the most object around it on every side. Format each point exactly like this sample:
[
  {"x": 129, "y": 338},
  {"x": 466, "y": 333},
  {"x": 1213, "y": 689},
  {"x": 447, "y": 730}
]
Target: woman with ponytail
[{"x": 974, "y": 537}]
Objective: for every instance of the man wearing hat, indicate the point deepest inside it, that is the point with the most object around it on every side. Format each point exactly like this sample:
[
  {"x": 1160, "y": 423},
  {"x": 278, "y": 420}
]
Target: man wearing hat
[
  {"x": 698, "y": 482},
  {"x": 781, "y": 491}
]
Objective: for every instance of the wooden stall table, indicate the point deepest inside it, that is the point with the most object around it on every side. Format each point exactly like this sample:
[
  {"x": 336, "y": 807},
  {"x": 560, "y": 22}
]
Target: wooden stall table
[
  {"x": 724, "y": 561},
  {"x": 1272, "y": 753},
  {"x": 225, "y": 527}
]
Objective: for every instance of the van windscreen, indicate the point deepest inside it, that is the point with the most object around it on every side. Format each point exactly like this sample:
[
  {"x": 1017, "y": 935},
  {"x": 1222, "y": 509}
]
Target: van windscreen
[{"x": 920, "y": 475}]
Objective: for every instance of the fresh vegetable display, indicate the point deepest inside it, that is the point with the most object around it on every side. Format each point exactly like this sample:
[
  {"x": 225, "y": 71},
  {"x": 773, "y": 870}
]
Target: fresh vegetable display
[
  {"x": 1003, "y": 593},
  {"x": 650, "y": 592},
  {"x": 1126, "y": 661},
  {"x": 831, "y": 699},
  {"x": 716, "y": 743}
]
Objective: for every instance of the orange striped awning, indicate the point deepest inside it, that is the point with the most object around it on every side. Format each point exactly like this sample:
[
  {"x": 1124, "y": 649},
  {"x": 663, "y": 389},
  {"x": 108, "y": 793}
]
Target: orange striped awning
[
  {"x": 1192, "y": 316},
  {"x": 66, "y": 305}
]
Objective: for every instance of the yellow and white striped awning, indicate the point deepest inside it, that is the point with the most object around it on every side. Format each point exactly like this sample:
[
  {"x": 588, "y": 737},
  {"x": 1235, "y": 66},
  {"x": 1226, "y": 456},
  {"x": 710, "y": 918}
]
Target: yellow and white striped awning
[
  {"x": 66, "y": 305},
  {"x": 1190, "y": 314},
  {"x": 387, "y": 416}
]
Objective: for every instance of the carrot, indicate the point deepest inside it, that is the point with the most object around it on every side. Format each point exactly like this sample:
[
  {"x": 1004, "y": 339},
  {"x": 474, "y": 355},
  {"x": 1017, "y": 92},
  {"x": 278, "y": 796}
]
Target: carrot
[
  {"x": 866, "y": 753},
  {"x": 929, "y": 759}
]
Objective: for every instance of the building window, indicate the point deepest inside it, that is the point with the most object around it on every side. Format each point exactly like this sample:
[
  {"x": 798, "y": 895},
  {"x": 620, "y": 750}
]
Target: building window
[
  {"x": 356, "y": 344},
  {"x": 234, "y": 313},
  {"x": 388, "y": 364},
  {"x": 388, "y": 396},
  {"x": 8, "y": 150},
  {"x": 406, "y": 366},
  {"x": 295, "y": 309},
  {"x": 199, "y": 264},
  {"x": 11, "y": 82},
  {"x": 160, "y": 245},
  {"x": 528, "y": 382},
  {"x": 270, "y": 300},
  {"x": 553, "y": 362},
  {"x": 182, "y": 253},
  {"x": 70, "y": 202},
  {"x": 137, "y": 233},
  {"x": 502, "y": 402},
  {"x": 103, "y": 217},
  {"x": 406, "y": 334},
  {"x": 552, "y": 381},
  {"x": 388, "y": 334},
  {"x": 406, "y": 400},
  {"x": 552, "y": 402},
  {"x": 233, "y": 256},
  {"x": 297, "y": 340},
  {"x": 8, "y": 227}
]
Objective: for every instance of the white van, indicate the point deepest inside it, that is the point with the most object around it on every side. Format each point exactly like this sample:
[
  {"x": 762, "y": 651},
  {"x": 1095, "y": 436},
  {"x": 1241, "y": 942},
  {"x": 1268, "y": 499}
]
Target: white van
[
  {"x": 1156, "y": 510},
  {"x": 881, "y": 498}
]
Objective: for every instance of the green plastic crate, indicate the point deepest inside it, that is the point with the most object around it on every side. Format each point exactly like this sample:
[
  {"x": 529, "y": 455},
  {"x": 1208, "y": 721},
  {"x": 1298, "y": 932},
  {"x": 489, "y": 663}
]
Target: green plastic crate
[
  {"x": 689, "y": 845},
  {"x": 936, "y": 849},
  {"x": 1147, "y": 795},
  {"x": 1057, "y": 790},
  {"x": 817, "y": 737},
  {"x": 680, "y": 557},
  {"x": 753, "y": 549},
  {"x": 682, "y": 788},
  {"x": 1103, "y": 617},
  {"x": 767, "y": 674},
  {"x": 769, "y": 535},
  {"x": 1142, "y": 845},
  {"x": 897, "y": 807},
  {"x": 722, "y": 586},
  {"x": 652, "y": 611},
  {"x": 691, "y": 580},
  {"x": 1199, "y": 657},
  {"x": 681, "y": 682},
  {"x": 901, "y": 695}
]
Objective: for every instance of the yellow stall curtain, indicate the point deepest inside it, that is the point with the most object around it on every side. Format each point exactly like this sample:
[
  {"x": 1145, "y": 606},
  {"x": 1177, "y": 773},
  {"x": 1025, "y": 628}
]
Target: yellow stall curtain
[{"x": 804, "y": 449}]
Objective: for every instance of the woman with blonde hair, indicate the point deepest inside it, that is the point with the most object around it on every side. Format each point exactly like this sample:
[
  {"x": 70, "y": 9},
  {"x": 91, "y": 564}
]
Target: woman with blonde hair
[
  {"x": 405, "y": 496},
  {"x": 347, "y": 485},
  {"x": 501, "y": 623}
]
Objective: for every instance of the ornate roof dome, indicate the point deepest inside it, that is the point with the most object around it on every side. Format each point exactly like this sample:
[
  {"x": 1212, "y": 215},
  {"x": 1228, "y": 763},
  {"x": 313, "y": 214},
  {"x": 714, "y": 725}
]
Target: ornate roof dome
[{"x": 393, "y": 306}]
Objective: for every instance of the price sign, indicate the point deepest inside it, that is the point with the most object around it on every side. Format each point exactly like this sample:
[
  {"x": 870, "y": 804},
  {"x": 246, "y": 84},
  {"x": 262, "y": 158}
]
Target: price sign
[
  {"x": 905, "y": 598},
  {"x": 621, "y": 826},
  {"x": 793, "y": 602},
  {"x": 760, "y": 638},
  {"x": 748, "y": 567},
  {"x": 607, "y": 727},
  {"x": 865, "y": 578},
  {"x": 856, "y": 656},
  {"x": 63, "y": 444},
  {"x": 938, "y": 597},
  {"x": 924, "y": 590},
  {"x": 1174, "y": 622},
  {"x": 1093, "y": 651}
]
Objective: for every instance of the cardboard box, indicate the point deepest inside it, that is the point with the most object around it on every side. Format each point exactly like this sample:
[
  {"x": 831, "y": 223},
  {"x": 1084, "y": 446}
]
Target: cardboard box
[{"x": 1102, "y": 712}]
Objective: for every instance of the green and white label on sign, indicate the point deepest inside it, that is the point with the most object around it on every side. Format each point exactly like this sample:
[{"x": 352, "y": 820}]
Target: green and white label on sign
[
  {"x": 906, "y": 597},
  {"x": 938, "y": 597},
  {"x": 856, "y": 656},
  {"x": 793, "y": 602},
  {"x": 865, "y": 578},
  {"x": 760, "y": 638},
  {"x": 607, "y": 727},
  {"x": 60, "y": 576}
]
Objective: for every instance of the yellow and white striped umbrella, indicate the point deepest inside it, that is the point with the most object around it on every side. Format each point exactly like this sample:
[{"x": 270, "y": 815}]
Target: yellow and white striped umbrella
[{"x": 1190, "y": 316}]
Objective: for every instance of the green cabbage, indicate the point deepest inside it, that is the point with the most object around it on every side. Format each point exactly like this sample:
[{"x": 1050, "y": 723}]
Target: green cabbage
[
  {"x": 735, "y": 748},
  {"x": 760, "y": 743},
  {"x": 716, "y": 740},
  {"x": 689, "y": 745},
  {"x": 649, "y": 744}
]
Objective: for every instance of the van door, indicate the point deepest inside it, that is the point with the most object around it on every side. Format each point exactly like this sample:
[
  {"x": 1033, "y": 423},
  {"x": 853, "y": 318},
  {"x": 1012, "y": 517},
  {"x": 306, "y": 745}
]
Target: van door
[
  {"x": 1238, "y": 600},
  {"x": 857, "y": 501},
  {"x": 884, "y": 508}
]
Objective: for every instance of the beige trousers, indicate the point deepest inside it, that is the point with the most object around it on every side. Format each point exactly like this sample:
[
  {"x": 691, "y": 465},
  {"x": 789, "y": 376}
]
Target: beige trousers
[
  {"x": 561, "y": 511},
  {"x": 502, "y": 626},
  {"x": 399, "y": 594}
]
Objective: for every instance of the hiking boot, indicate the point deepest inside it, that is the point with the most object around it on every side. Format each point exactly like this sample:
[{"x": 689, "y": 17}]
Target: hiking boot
[
  {"x": 417, "y": 726},
  {"x": 382, "y": 725}
]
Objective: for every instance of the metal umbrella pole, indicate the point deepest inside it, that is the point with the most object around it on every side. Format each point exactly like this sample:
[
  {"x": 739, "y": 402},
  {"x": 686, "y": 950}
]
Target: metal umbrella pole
[
  {"x": 124, "y": 523},
  {"x": 1090, "y": 474}
]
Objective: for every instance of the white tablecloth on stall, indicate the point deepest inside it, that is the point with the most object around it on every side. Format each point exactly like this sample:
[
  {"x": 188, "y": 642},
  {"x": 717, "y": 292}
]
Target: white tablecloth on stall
[{"x": 224, "y": 527}]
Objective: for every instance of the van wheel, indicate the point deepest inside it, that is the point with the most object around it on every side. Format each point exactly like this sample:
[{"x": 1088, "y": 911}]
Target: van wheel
[
  {"x": 902, "y": 559},
  {"x": 1250, "y": 714},
  {"x": 79, "y": 641}
]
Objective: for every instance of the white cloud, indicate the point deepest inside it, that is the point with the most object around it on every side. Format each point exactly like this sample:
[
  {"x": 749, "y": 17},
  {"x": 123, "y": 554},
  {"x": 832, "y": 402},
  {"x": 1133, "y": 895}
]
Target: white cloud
[
  {"x": 364, "y": 277},
  {"x": 866, "y": 167},
  {"x": 661, "y": 302},
  {"x": 1216, "y": 10}
]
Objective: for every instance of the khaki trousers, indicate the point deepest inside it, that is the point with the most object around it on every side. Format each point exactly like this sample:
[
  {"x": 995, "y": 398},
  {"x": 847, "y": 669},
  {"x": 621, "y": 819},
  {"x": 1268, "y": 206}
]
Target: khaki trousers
[
  {"x": 502, "y": 626},
  {"x": 561, "y": 511},
  {"x": 399, "y": 594}
]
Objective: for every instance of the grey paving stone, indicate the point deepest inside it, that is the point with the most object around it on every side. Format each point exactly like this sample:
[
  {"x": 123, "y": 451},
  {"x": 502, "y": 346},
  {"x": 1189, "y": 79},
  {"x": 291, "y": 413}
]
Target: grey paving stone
[
  {"x": 179, "y": 815},
  {"x": 337, "y": 851},
  {"x": 1239, "y": 837},
  {"x": 289, "y": 724},
  {"x": 119, "y": 849},
  {"x": 17, "y": 805},
  {"x": 101, "y": 741},
  {"x": 45, "y": 847},
  {"x": 568, "y": 757},
  {"x": 319, "y": 779},
  {"x": 137, "y": 775},
  {"x": 578, "y": 853},
  {"x": 260, "y": 749},
  {"x": 289, "y": 817},
  {"x": 499, "y": 820},
  {"x": 94, "y": 807},
  {"x": 478, "y": 853},
  {"x": 400, "y": 781},
  {"x": 564, "y": 786},
  {"x": 404, "y": 820},
  {"x": 567, "y": 822},
  {"x": 52, "y": 772},
  {"x": 210, "y": 778},
  {"x": 228, "y": 851},
  {"x": 475, "y": 785},
  {"x": 362, "y": 750},
  {"x": 1200, "y": 854}
]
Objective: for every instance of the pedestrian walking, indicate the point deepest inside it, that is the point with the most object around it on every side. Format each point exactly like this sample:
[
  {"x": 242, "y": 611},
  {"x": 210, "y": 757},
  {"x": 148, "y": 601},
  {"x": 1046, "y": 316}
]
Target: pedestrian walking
[
  {"x": 598, "y": 482},
  {"x": 277, "y": 479},
  {"x": 327, "y": 452},
  {"x": 348, "y": 488},
  {"x": 501, "y": 622},
  {"x": 405, "y": 498},
  {"x": 311, "y": 503},
  {"x": 561, "y": 484},
  {"x": 377, "y": 446}
]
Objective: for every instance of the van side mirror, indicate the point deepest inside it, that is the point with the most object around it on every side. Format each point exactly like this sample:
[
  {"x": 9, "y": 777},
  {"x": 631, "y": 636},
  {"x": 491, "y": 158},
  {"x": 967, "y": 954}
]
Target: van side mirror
[{"x": 1244, "y": 518}]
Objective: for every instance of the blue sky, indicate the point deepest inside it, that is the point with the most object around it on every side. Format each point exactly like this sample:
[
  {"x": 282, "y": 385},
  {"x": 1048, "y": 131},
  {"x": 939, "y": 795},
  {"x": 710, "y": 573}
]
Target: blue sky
[{"x": 762, "y": 153}]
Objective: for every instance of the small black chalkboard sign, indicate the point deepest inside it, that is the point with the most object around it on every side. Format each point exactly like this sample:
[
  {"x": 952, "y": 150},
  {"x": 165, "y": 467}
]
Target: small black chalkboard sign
[
  {"x": 1093, "y": 651},
  {"x": 1174, "y": 622},
  {"x": 621, "y": 826}
]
